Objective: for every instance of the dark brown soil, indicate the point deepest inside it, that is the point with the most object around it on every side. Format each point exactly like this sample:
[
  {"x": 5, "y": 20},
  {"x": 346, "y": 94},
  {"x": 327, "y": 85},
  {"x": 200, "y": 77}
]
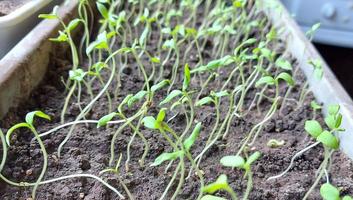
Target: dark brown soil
[
  {"x": 8, "y": 6},
  {"x": 88, "y": 149}
]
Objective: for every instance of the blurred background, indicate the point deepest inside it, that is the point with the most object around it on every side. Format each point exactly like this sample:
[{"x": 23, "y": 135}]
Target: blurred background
[{"x": 334, "y": 38}]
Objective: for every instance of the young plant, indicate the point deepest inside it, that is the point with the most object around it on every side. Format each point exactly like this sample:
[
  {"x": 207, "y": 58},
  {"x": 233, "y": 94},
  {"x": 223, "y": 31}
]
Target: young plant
[
  {"x": 220, "y": 184},
  {"x": 29, "y": 125},
  {"x": 241, "y": 163},
  {"x": 330, "y": 192}
]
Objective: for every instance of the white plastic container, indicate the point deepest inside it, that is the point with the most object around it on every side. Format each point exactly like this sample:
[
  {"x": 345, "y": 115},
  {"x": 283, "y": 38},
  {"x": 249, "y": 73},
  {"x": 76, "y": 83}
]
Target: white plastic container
[{"x": 14, "y": 26}]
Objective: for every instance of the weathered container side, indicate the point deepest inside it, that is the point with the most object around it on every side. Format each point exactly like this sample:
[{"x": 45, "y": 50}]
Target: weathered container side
[
  {"x": 328, "y": 90},
  {"x": 24, "y": 66}
]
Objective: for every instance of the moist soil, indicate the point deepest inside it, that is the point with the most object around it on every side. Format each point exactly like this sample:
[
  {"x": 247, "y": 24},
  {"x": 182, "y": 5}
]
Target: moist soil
[
  {"x": 8, "y": 6},
  {"x": 87, "y": 151}
]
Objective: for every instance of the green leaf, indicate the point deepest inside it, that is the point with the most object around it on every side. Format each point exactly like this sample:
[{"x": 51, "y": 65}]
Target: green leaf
[
  {"x": 329, "y": 192},
  {"x": 160, "y": 85},
  {"x": 171, "y": 96},
  {"x": 313, "y": 127},
  {"x": 284, "y": 64},
  {"x": 73, "y": 24},
  {"x": 286, "y": 77},
  {"x": 30, "y": 116},
  {"x": 233, "y": 161},
  {"x": 169, "y": 44},
  {"x": 155, "y": 60},
  {"x": 211, "y": 197},
  {"x": 161, "y": 115},
  {"x": 347, "y": 198},
  {"x": 203, "y": 101},
  {"x": 150, "y": 122},
  {"x": 61, "y": 38},
  {"x": 13, "y": 128},
  {"x": 268, "y": 80},
  {"x": 77, "y": 75},
  {"x": 328, "y": 139},
  {"x": 48, "y": 16},
  {"x": 338, "y": 121},
  {"x": 221, "y": 183},
  {"x": 315, "y": 105},
  {"x": 330, "y": 121},
  {"x": 256, "y": 155},
  {"x": 143, "y": 36},
  {"x": 187, "y": 78},
  {"x": 103, "y": 10},
  {"x": 100, "y": 43},
  {"x": 167, "y": 156},
  {"x": 105, "y": 119},
  {"x": 221, "y": 94},
  {"x": 192, "y": 138},
  {"x": 333, "y": 109},
  {"x": 137, "y": 97}
]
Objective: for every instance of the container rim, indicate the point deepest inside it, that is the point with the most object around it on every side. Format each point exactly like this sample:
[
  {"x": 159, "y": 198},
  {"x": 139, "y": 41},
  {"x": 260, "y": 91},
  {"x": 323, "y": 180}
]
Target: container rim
[{"x": 22, "y": 12}]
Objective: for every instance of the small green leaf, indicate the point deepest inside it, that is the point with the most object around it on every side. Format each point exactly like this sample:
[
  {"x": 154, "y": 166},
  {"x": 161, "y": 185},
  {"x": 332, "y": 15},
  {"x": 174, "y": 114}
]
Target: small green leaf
[
  {"x": 77, "y": 75},
  {"x": 166, "y": 156},
  {"x": 48, "y": 16},
  {"x": 268, "y": 80},
  {"x": 137, "y": 97},
  {"x": 143, "y": 36},
  {"x": 105, "y": 119},
  {"x": 315, "y": 105},
  {"x": 150, "y": 122},
  {"x": 171, "y": 96},
  {"x": 333, "y": 109},
  {"x": 338, "y": 121},
  {"x": 347, "y": 198},
  {"x": 73, "y": 24},
  {"x": 211, "y": 197},
  {"x": 160, "y": 85},
  {"x": 221, "y": 94},
  {"x": 328, "y": 139},
  {"x": 169, "y": 44},
  {"x": 329, "y": 192},
  {"x": 313, "y": 127},
  {"x": 284, "y": 64},
  {"x": 330, "y": 121},
  {"x": 203, "y": 101},
  {"x": 13, "y": 128},
  {"x": 155, "y": 60},
  {"x": 192, "y": 138},
  {"x": 286, "y": 77},
  {"x": 61, "y": 38},
  {"x": 103, "y": 10},
  {"x": 221, "y": 183},
  {"x": 233, "y": 161},
  {"x": 161, "y": 115},
  {"x": 30, "y": 116},
  {"x": 100, "y": 43},
  {"x": 253, "y": 158},
  {"x": 187, "y": 78}
]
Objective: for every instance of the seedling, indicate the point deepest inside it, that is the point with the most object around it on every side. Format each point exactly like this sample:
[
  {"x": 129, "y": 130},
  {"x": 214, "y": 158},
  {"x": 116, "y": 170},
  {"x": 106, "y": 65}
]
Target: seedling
[
  {"x": 241, "y": 163},
  {"x": 220, "y": 184},
  {"x": 330, "y": 192},
  {"x": 29, "y": 124}
]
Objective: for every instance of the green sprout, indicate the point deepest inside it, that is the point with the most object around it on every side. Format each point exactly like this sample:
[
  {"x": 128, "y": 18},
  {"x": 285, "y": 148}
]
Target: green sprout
[
  {"x": 29, "y": 124},
  {"x": 241, "y": 163},
  {"x": 330, "y": 192}
]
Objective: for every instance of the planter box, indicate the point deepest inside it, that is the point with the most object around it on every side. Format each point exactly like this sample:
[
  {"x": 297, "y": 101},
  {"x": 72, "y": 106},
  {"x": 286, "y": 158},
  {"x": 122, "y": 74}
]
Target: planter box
[
  {"x": 329, "y": 90},
  {"x": 18, "y": 23},
  {"x": 23, "y": 67}
]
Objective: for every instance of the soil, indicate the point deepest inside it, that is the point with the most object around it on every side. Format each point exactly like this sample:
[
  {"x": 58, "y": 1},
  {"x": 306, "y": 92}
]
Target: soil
[
  {"x": 87, "y": 151},
  {"x": 8, "y": 6}
]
